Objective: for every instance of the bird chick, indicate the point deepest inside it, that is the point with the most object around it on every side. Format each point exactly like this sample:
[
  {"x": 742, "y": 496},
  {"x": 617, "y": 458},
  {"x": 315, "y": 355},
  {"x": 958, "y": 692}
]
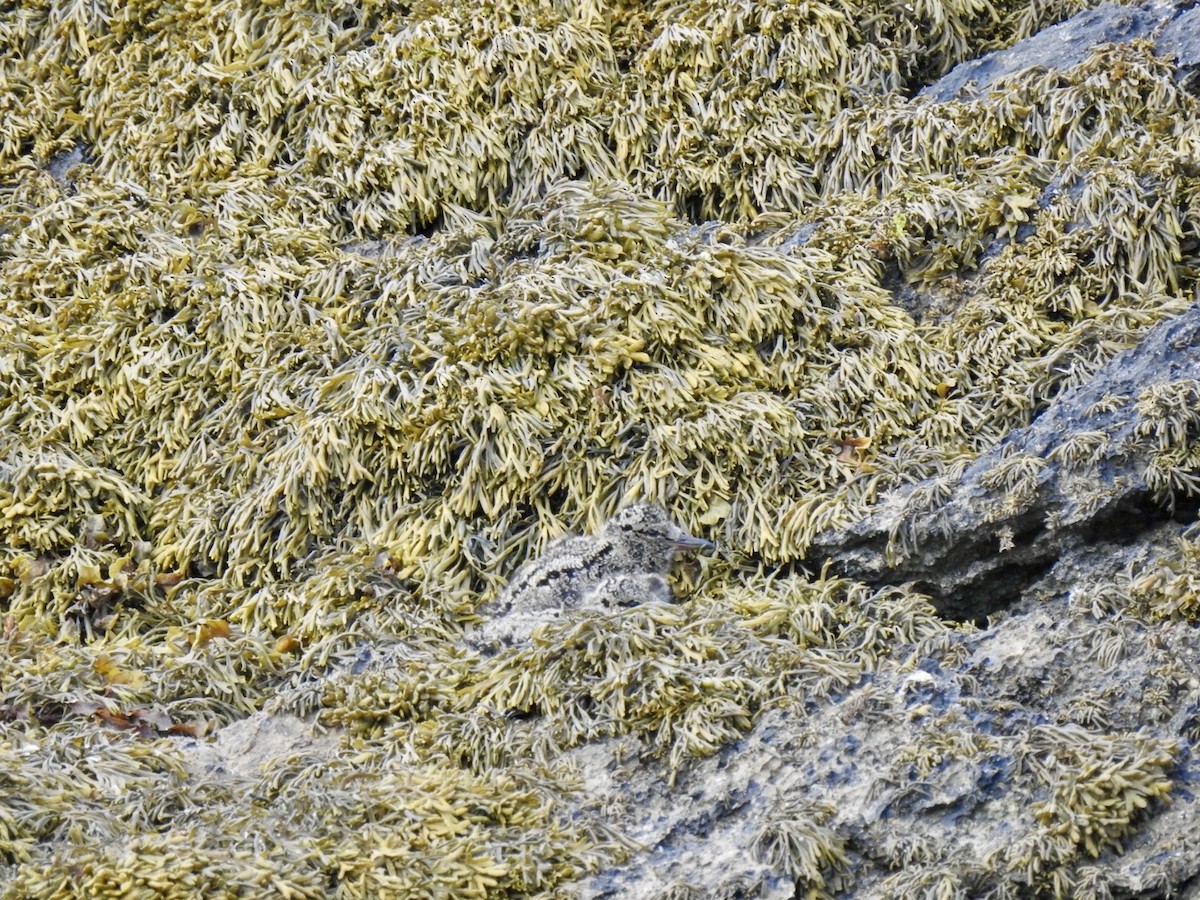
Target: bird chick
[{"x": 624, "y": 564}]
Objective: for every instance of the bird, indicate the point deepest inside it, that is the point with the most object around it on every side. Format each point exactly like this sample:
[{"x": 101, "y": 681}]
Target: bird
[{"x": 624, "y": 564}]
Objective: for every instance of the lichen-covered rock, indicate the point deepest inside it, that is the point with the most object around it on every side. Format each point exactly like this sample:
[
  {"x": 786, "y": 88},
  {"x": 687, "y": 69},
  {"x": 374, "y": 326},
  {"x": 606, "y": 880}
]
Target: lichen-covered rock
[{"x": 317, "y": 321}]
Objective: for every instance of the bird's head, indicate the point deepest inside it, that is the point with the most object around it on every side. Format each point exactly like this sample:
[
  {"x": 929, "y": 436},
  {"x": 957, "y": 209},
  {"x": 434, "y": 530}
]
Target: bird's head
[{"x": 652, "y": 525}]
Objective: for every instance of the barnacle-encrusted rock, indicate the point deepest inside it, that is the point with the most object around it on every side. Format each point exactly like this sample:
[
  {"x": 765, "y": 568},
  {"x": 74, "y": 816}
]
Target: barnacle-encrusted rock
[{"x": 318, "y": 321}]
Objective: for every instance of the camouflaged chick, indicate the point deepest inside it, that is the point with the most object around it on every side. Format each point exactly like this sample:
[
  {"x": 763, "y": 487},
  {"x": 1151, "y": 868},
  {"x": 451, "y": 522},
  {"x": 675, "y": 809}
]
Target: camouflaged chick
[{"x": 626, "y": 563}]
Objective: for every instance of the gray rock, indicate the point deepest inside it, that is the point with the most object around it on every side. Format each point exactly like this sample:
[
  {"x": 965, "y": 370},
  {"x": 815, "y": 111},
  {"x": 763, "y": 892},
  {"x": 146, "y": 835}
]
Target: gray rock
[
  {"x": 1069, "y": 43},
  {"x": 1076, "y": 476},
  {"x": 1180, "y": 40}
]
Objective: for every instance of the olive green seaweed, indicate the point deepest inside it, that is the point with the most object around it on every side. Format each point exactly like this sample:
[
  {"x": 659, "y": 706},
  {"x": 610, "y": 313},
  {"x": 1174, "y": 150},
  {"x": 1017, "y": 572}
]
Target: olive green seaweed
[
  {"x": 319, "y": 319},
  {"x": 1099, "y": 784}
]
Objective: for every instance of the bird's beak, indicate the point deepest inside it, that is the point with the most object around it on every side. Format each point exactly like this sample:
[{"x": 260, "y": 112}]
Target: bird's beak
[{"x": 687, "y": 542}]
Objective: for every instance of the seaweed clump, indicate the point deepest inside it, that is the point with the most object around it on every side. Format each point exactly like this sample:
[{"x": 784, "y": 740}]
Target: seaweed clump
[
  {"x": 688, "y": 684},
  {"x": 1168, "y": 418},
  {"x": 313, "y": 823},
  {"x": 715, "y": 106},
  {"x": 1099, "y": 784},
  {"x": 298, "y": 365},
  {"x": 797, "y": 841},
  {"x": 1167, "y": 587}
]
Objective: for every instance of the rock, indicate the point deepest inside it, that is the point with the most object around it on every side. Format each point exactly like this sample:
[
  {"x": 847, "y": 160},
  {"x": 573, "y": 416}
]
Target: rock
[
  {"x": 1069, "y": 43},
  {"x": 1080, "y": 474}
]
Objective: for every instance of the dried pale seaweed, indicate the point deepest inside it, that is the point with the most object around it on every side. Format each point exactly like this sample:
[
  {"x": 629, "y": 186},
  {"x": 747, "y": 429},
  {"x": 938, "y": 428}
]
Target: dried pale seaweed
[
  {"x": 1168, "y": 417},
  {"x": 254, "y": 428},
  {"x": 720, "y": 106},
  {"x": 798, "y": 842},
  {"x": 1169, "y": 586},
  {"x": 402, "y": 831}
]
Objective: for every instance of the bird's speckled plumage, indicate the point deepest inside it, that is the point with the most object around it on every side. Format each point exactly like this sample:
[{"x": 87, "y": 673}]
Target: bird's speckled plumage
[{"x": 625, "y": 563}]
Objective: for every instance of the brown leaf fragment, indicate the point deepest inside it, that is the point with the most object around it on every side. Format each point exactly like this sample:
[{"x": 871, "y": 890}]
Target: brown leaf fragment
[
  {"x": 208, "y": 630},
  {"x": 113, "y": 673}
]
